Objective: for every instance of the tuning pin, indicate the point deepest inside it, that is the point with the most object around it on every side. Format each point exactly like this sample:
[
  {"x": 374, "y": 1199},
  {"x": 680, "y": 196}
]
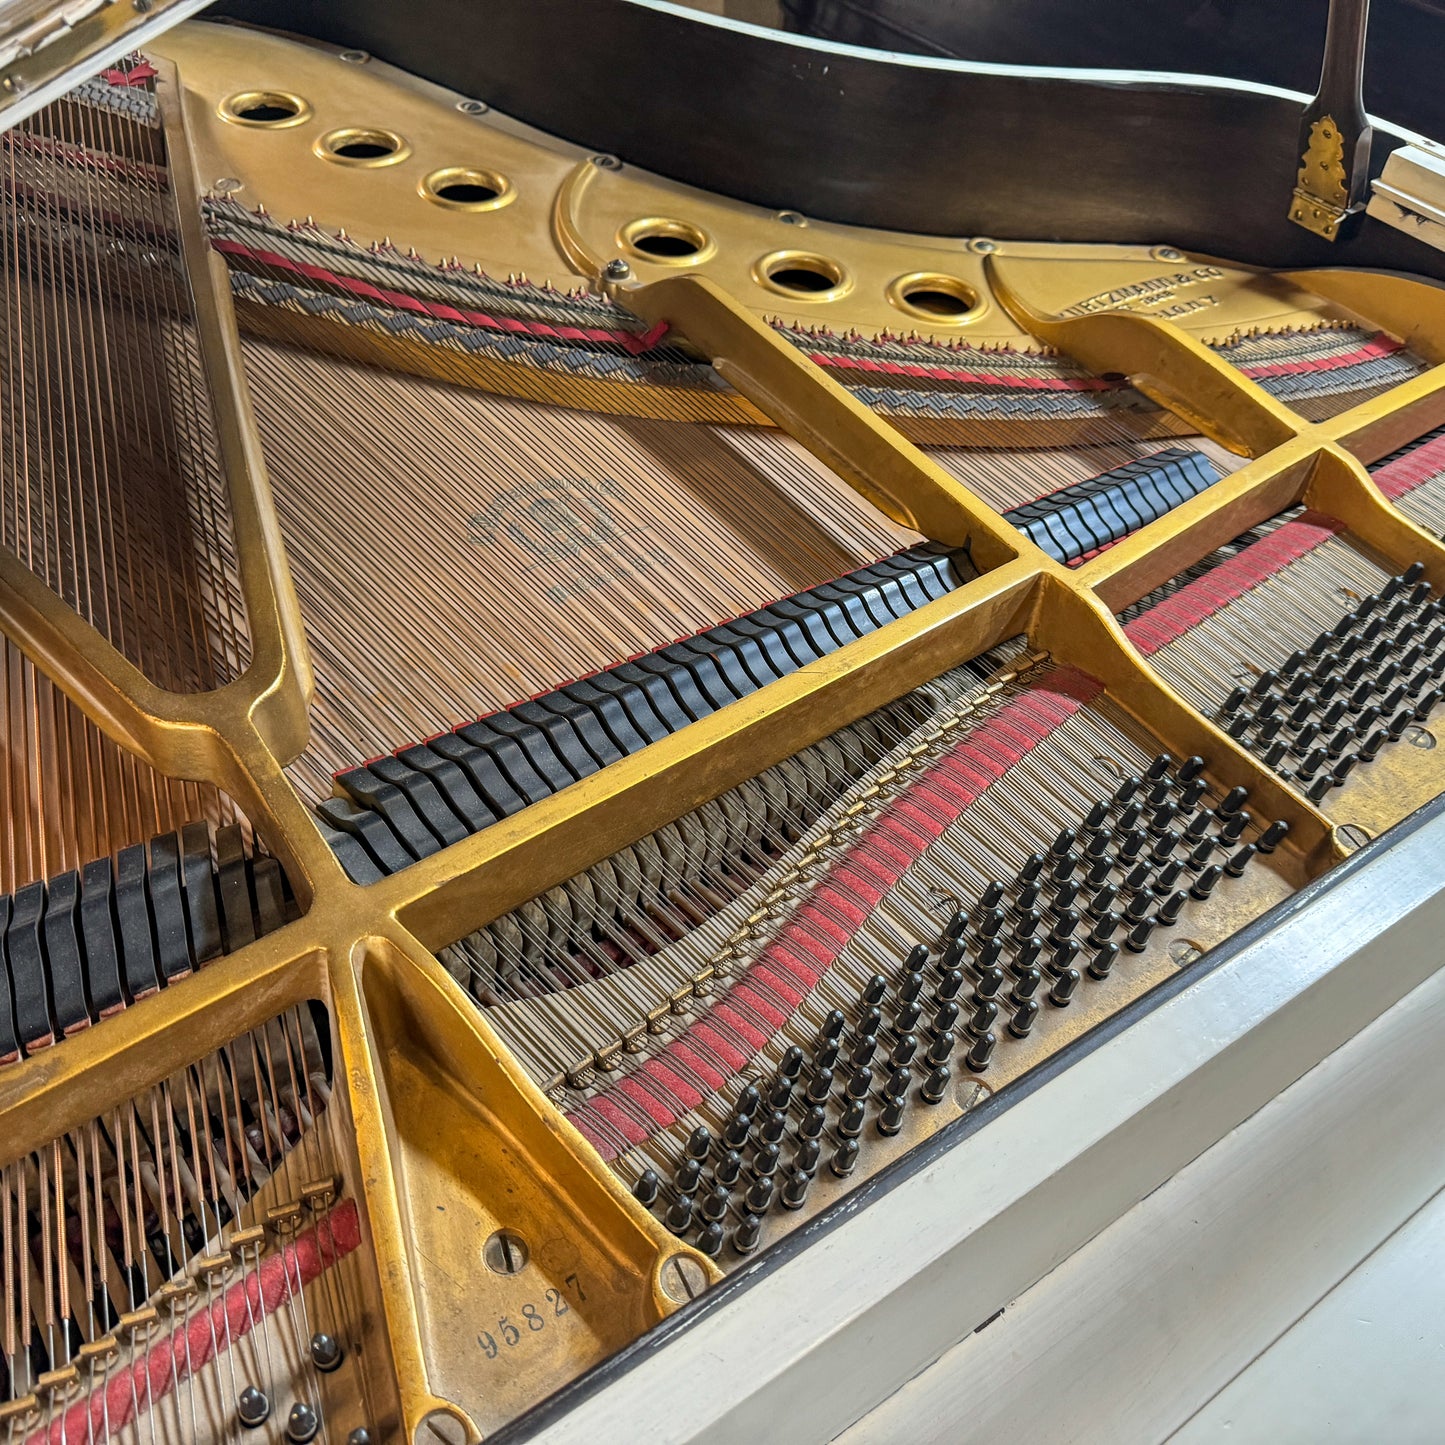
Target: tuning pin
[
  {"x": 910, "y": 986},
  {"x": 869, "y": 1021},
  {"x": 948, "y": 986},
  {"x": 765, "y": 1157},
  {"x": 1102, "y": 964},
  {"x": 699, "y": 1143},
  {"x": 1126, "y": 789},
  {"x": 729, "y": 1166},
  {"x": 745, "y": 1236},
  {"x": 813, "y": 1122},
  {"x": 1190, "y": 769},
  {"x": 1063, "y": 956},
  {"x": 833, "y": 1027},
  {"x": 760, "y": 1194},
  {"x": 1172, "y": 907},
  {"x": 875, "y": 990},
  {"x": 990, "y": 980},
  {"x": 1028, "y": 923},
  {"x": 826, "y": 1057},
  {"x": 859, "y": 1083},
  {"x": 1234, "y": 800},
  {"x": 646, "y": 1189},
  {"x": 1064, "y": 843},
  {"x": 1028, "y": 953},
  {"x": 326, "y": 1352},
  {"x": 736, "y": 1130},
  {"x": 679, "y": 1214},
  {"x": 1240, "y": 861},
  {"x": 945, "y": 1018},
  {"x": 862, "y": 1052},
  {"x": 710, "y": 1239},
  {"x": 990, "y": 922},
  {"x": 980, "y": 1053},
  {"x": 1063, "y": 987},
  {"x": 773, "y": 1127},
  {"x": 781, "y": 1093},
  {"x": 1063, "y": 899},
  {"x": 820, "y": 1086},
  {"x": 991, "y": 897},
  {"x": 1207, "y": 881},
  {"x": 917, "y": 959},
  {"x": 935, "y": 1086},
  {"x": 904, "y": 1050},
  {"x": 253, "y": 1407},
  {"x": 1138, "y": 907},
  {"x": 1199, "y": 858},
  {"x": 941, "y": 1049},
  {"x": 895, "y": 1086},
  {"x": 1026, "y": 984},
  {"x": 1138, "y": 938},
  {"x": 1064, "y": 926},
  {"x": 1104, "y": 927},
  {"x": 1168, "y": 876},
  {"x": 1023, "y": 1018},
  {"x": 1159, "y": 767},
  {"x": 1028, "y": 897},
  {"x": 890, "y": 1118},
  {"x": 748, "y": 1100},
  {"x": 850, "y": 1125},
  {"x": 906, "y": 1019},
  {"x": 714, "y": 1204},
  {"x": 689, "y": 1172},
  {"x": 791, "y": 1064},
  {"x": 1033, "y": 866},
  {"x": 845, "y": 1158},
  {"x": 805, "y": 1158}
]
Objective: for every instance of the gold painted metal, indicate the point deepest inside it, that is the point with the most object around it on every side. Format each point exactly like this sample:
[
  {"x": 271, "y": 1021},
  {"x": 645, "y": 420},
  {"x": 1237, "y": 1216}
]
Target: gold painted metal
[
  {"x": 440, "y": 1114},
  {"x": 574, "y": 212}
]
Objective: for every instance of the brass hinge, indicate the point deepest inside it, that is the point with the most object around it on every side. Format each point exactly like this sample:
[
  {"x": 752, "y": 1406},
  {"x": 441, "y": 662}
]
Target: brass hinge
[{"x": 1322, "y": 192}]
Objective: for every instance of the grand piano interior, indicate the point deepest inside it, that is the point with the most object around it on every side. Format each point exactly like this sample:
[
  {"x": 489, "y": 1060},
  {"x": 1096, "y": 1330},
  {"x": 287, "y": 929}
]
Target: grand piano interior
[{"x": 715, "y": 725}]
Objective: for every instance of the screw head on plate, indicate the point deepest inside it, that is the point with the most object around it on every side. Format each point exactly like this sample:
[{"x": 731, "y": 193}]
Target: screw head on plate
[{"x": 682, "y": 1278}]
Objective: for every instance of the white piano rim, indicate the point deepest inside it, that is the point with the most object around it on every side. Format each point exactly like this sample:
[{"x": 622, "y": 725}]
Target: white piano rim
[{"x": 804, "y": 1341}]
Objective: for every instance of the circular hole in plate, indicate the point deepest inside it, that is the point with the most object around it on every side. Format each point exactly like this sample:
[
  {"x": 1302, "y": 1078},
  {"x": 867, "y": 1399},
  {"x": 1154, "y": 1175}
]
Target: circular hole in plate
[
  {"x": 802, "y": 274},
  {"x": 362, "y": 146},
  {"x": 265, "y": 109},
  {"x": 933, "y": 296},
  {"x": 465, "y": 188},
  {"x": 665, "y": 241}
]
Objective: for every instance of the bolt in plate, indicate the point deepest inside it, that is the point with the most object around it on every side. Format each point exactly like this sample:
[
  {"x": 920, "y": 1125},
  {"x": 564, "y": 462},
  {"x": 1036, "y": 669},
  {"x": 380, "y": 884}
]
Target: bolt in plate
[
  {"x": 505, "y": 1252},
  {"x": 682, "y": 1278},
  {"x": 1184, "y": 951},
  {"x": 1419, "y": 738},
  {"x": 441, "y": 1427},
  {"x": 1352, "y": 836}
]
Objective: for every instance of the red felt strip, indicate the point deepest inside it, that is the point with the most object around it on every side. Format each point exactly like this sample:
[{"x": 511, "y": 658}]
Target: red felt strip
[
  {"x": 1379, "y": 345},
  {"x": 1413, "y": 469},
  {"x": 438, "y": 310},
  {"x": 1220, "y": 586}
]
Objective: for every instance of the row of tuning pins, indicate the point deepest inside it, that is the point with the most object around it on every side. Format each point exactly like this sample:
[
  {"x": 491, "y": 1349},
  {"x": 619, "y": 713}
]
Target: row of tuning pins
[
  {"x": 1358, "y": 686},
  {"x": 1130, "y": 867}
]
